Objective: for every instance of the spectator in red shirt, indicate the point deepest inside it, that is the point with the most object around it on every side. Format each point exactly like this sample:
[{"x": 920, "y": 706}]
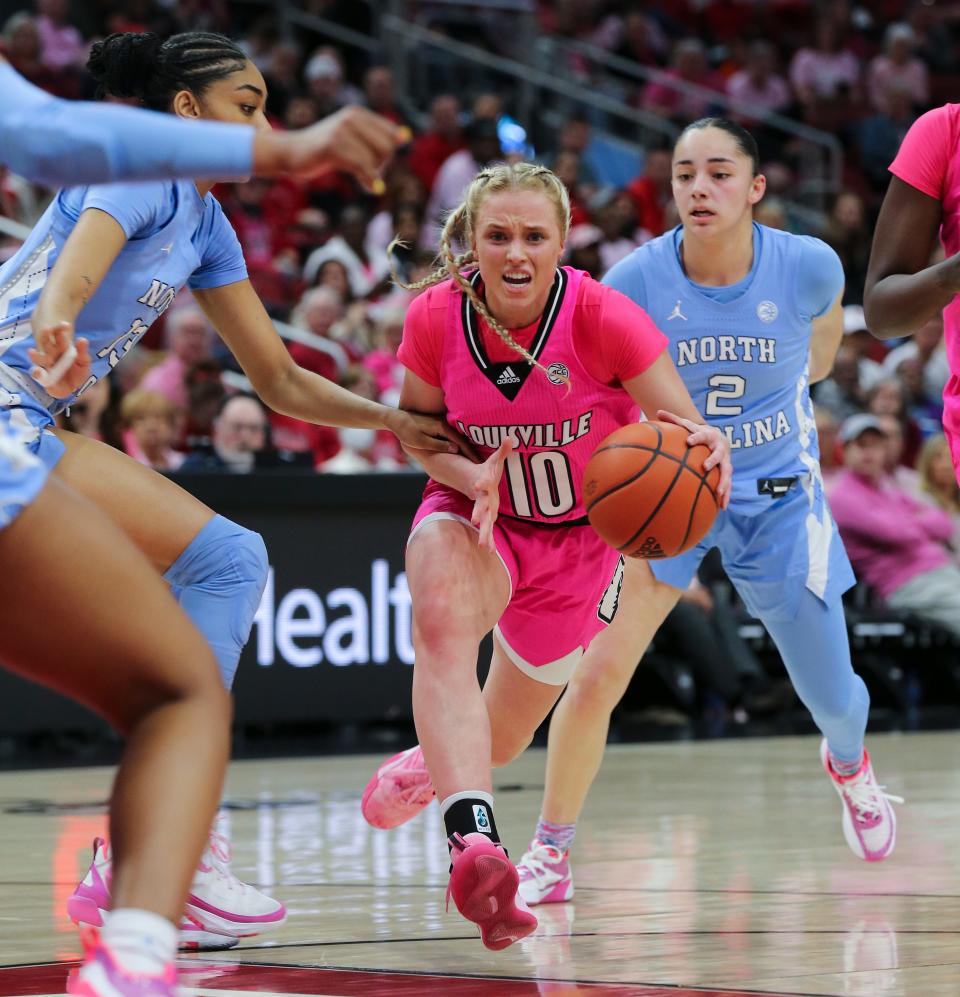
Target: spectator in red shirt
[
  {"x": 380, "y": 95},
  {"x": 443, "y": 138},
  {"x": 651, "y": 192},
  {"x": 689, "y": 65}
]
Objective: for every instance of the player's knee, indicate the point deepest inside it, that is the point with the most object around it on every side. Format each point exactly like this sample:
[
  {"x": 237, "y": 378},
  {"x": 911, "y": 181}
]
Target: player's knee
[
  {"x": 439, "y": 624},
  {"x": 600, "y": 685},
  {"x": 503, "y": 752}
]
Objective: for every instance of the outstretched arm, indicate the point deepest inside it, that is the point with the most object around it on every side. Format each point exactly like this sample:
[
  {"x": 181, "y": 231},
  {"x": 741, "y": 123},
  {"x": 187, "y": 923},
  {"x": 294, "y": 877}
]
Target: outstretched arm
[
  {"x": 61, "y": 142},
  {"x": 238, "y": 315}
]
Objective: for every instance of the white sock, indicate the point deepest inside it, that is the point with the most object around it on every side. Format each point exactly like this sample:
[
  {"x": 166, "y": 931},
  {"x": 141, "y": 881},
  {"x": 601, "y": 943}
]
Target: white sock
[
  {"x": 140, "y": 940},
  {"x": 468, "y": 794}
]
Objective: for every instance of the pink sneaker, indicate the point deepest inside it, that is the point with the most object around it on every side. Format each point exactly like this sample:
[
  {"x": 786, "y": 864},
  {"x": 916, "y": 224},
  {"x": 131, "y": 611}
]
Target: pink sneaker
[
  {"x": 545, "y": 876},
  {"x": 400, "y": 789},
  {"x": 220, "y": 909},
  {"x": 484, "y": 885},
  {"x": 101, "y": 976},
  {"x": 869, "y": 823}
]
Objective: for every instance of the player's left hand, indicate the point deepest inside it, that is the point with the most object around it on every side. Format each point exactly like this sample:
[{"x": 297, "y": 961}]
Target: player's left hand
[
  {"x": 711, "y": 437},
  {"x": 61, "y": 365},
  {"x": 486, "y": 493},
  {"x": 353, "y": 139}
]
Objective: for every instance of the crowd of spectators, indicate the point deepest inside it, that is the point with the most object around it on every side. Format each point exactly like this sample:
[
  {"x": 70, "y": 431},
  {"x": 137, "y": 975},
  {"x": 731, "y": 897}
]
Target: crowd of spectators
[{"x": 317, "y": 251}]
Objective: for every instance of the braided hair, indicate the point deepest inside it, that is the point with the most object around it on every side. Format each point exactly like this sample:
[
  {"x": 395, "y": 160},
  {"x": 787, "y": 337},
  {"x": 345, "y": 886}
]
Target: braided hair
[
  {"x": 142, "y": 65},
  {"x": 459, "y": 228}
]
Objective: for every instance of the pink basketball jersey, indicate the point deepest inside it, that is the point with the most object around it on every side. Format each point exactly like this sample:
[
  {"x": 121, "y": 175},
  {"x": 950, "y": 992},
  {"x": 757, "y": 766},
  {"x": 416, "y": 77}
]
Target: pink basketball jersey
[{"x": 555, "y": 427}]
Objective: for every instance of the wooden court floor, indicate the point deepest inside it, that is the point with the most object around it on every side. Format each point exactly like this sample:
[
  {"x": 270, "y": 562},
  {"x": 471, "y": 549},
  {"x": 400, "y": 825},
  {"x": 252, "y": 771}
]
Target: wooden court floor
[{"x": 700, "y": 868}]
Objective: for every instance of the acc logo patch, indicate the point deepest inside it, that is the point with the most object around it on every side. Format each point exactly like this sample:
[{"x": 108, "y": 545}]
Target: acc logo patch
[
  {"x": 557, "y": 373},
  {"x": 767, "y": 311}
]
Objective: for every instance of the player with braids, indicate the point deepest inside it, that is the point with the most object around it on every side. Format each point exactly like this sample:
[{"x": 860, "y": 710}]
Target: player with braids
[
  {"x": 504, "y": 545},
  {"x": 104, "y": 262}
]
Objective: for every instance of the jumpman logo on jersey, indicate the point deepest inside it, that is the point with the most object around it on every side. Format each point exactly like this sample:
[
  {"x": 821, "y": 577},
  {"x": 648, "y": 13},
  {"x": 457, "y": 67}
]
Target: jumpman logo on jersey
[
  {"x": 166, "y": 248},
  {"x": 676, "y": 313}
]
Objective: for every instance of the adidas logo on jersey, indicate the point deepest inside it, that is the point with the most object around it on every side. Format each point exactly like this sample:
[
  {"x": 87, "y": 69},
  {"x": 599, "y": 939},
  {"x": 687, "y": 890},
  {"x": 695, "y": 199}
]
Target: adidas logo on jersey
[
  {"x": 650, "y": 548},
  {"x": 508, "y": 377}
]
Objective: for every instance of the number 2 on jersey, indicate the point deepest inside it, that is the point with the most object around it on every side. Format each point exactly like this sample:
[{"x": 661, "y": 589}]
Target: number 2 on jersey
[
  {"x": 543, "y": 476},
  {"x": 723, "y": 388}
]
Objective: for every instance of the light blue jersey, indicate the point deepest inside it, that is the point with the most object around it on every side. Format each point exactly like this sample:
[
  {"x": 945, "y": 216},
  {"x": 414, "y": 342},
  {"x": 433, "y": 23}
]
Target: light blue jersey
[
  {"x": 61, "y": 142},
  {"x": 742, "y": 350},
  {"x": 22, "y": 473},
  {"x": 174, "y": 237}
]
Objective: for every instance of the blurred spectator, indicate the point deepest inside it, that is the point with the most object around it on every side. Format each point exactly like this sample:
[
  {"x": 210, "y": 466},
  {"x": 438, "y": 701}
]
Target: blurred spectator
[
  {"x": 189, "y": 340},
  {"x": 407, "y": 224},
  {"x": 889, "y": 397},
  {"x": 454, "y": 176},
  {"x": 641, "y": 40},
  {"x": 85, "y": 415},
  {"x": 831, "y": 455},
  {"x": 826, "y": 78},
  {"x": 934, "y": 42},
  {"x": 897, "y": 67},
  {"x": 758, "y": 83},
  {"x": 688, "y": 65},
  {"x": 151, "y": 427},
  {"x": 906, "y": 478},
  {"x": 333, "y": 273},
  {"x": 367, "y": 266},
  {"x": 318, "y": 312},
  {"x": 841, "y": 393},
  {"x": 926, "y": 344},
  {"x": 380, "y": 95},
  {"x": 325, "y": 82},
  {"x": 583, "y": 249},
  {"x": 772, "y": 212},
  {"x": 897, "y": 544},
  {"x": 651, "y": 192},
  {"x": 444, "y": 136},
  {"x": 858, "y": 337},
  {"x": 848, "y": 233},
  {"x": 205, "y": 395},
  {"x": 938, "y": 484},
  {"x": 363, "y": 449},
  {"x": 614, "y": 215},
  {"x": 575, "y": 137},
  {"x": 24, "y": 50},
  {"x": 62, "y": 45},
  {"x": 281, "y": 71},
  {"x": 567, "y": 166},
  {"x": 381, "y": 361},
  {"x": 881, "y": 134},
  {"x": 239, "y": 433}
]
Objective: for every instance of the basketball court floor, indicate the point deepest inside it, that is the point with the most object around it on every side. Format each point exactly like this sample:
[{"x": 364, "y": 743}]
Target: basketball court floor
[{"x": 703, "y": 868}]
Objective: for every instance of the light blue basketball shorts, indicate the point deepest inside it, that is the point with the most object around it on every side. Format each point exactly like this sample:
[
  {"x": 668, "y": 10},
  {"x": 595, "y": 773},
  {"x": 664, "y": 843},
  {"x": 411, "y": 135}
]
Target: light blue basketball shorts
[{"x": 773, "y": 556}]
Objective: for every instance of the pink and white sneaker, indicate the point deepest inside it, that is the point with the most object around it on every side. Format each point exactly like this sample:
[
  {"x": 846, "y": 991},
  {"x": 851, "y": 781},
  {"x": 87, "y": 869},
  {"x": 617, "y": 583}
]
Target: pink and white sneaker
[
  {"x": 869, "y": 823},
  {"x": 101, "y": 976},
  {"x": 545, "y": 876},
  {"x": 484, "y": 885},
  {"x": 399, "y": 790},
  {"x": 220, "y": 909}
]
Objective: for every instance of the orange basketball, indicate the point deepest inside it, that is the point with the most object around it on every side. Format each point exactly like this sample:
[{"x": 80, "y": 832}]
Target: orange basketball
[{"x": 646, "y": 491}]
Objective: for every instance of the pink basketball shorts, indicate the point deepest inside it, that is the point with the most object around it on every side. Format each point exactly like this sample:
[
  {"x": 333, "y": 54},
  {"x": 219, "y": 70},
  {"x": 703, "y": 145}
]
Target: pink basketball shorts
[{"x": 564, "y": 586}]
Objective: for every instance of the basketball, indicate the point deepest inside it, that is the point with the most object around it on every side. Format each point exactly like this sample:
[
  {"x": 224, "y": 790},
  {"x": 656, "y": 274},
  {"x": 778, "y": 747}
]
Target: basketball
[{"x": 646, "y": 491}]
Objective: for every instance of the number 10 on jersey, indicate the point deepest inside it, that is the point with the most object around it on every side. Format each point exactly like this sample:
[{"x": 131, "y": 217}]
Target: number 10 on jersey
[{"x": 540, "y": 483}]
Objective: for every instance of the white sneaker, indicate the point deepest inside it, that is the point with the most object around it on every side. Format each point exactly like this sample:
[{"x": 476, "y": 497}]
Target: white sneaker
[
  {"x": 221, "y": 904},
  {"x": 545, "y": 875},
  {"x": 869, "y": 823}
]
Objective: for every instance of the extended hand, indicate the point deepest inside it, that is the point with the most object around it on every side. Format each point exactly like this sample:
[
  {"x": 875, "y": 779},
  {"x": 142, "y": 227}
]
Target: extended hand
[
  {"x": 61, "y": 366},
  {"x": 708, "y": 436},
  {"x": 486, "y": 493},
  {"x": 354, "y": 139}
]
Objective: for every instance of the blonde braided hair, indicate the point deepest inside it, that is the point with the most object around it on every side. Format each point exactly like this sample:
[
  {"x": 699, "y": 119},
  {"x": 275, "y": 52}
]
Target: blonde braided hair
[{"x": 459, "y": 227}]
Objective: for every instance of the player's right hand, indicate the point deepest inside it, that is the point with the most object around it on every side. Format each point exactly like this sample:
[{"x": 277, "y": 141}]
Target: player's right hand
[
  {"x": 354, "y": 139},
  {"x": 61, "y": 366},
  {"x": 486, "y": 493}
]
